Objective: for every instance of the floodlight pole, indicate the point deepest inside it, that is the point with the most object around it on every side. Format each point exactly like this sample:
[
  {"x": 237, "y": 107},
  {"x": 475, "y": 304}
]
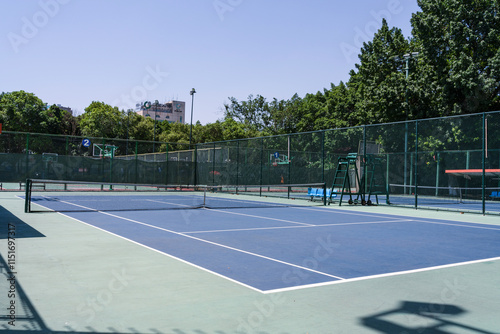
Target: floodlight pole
[
  {"x": 191, "y": 127},
  {"x": 407, "y": 58}
]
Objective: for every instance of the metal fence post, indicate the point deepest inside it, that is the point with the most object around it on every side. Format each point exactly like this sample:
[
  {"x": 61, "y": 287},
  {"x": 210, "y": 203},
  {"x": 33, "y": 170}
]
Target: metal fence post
[
  {"x": 261, "y": 164},
  {"x": 27, "y": 156},
  {"x": 416, "y": 164},
  {"x": 483, "y": 165},
  {"x": 166, "y": 165},
  {"x": 237, "y": 164},
  {"x": 323, "y": 156}
]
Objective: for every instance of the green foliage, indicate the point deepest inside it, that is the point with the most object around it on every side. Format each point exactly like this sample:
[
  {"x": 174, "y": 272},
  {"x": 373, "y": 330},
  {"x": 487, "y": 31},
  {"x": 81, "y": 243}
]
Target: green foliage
[
  {"x": 102, "y": 120},
  {"x": 21, "y": 111},
  {"x": 60, "y": 121},
  {"x": 460, "y": 44},
  {"x": 379, "y": 81},
  {"x": 138, "y": 127}
]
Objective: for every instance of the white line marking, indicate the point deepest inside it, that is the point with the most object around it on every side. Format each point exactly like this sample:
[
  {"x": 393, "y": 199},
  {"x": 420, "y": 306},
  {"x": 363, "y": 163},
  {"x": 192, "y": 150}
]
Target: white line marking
[
  {"x": 260, "y": 217},
  {"x": 457, "y": 225},
  {"x": 339, "y": 211},
  {"x": 422, "y": 220},
  {"x": 212, "y": 243},
  {"x": 282, "y": 227},
  {"x": 221, "y": 245},
  {"x": 163, "y": 202},
  {"x": 348, "y": 280},
  {"x": 158, "y": 251},
  {"x": 166, "y": 254}
]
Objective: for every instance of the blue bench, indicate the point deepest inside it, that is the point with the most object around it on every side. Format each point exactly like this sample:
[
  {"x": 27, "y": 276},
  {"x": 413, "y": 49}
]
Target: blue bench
[
  {"x": 495, "y": 194},
  {"x": 319, "y": 192}
]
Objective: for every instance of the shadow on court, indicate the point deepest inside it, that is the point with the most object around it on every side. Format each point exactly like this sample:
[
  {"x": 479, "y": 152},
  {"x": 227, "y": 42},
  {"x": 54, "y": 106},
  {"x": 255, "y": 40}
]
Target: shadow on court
[
  {"x": 26, "y": 319},
  {"x": 8, "y": 221},
  {"x": 420, "y": 318}
]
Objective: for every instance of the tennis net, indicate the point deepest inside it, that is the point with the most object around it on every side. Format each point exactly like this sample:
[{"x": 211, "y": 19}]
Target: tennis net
[
  {"x": 72, "y": 196},
  {"x": 438, "y": 196}
]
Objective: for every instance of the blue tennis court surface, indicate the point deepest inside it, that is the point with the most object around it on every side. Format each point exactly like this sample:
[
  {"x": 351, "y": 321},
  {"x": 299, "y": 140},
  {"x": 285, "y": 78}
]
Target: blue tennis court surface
[{"x": 284, "y": 247}]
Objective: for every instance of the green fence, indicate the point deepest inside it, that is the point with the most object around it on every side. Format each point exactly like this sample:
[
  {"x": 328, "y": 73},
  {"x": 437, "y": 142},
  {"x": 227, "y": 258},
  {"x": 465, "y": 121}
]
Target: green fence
[
  {"x": 25, "y": 155},
  {"x": 450, "y": 163}
]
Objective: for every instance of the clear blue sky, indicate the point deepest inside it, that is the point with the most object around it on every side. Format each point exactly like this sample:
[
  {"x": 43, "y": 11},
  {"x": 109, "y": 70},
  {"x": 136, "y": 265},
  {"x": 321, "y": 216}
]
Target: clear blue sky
[{"x": 73, "y": 52}]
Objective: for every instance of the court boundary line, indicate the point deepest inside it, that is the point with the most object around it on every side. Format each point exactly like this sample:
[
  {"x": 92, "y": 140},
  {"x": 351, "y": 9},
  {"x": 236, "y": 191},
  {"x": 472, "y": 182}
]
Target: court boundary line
[
  {"x": 397, "y": 273},
  {"x": 205, "y": 241},
  {"x": 386, "y": 215},
  {"x": 260, "y": 217},
  {"x": 443, "y": 222},
  {"x": 166, "y": 254},
  {"x": 310, "y": 226},
  {"x": 221, "y": 245},
  {"x": 156, "y": 250}
]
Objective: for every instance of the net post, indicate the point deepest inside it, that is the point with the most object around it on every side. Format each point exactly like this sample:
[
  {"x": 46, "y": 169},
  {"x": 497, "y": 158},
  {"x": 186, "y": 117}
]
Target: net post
[{"x": 27, "y": 197}]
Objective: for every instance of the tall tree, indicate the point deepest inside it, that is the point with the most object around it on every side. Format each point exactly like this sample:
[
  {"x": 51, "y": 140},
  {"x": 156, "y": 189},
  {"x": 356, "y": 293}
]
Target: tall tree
[
  {"x": 60, "y": 121},
  {"x": 22, "y": 111},
  {"x": 102, "y": 120},
  {"x": 379, "y": 80},
  {"x": 460, "y": 44},
  {"x": 254, "y": 112}
]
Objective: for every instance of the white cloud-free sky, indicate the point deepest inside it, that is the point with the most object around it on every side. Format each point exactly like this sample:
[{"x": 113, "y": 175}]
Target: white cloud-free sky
[{"x": 73, "y": 52}]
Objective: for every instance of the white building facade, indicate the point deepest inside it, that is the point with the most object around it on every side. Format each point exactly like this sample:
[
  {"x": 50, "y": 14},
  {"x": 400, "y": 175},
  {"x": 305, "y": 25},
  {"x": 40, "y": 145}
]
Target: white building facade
[{"x": 172, "y": 111}]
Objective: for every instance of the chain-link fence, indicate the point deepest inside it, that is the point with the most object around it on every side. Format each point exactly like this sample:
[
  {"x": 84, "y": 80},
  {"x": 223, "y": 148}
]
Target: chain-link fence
[
  {"x": 25, "y": 155},
  {"x": 450, "y": 163}
]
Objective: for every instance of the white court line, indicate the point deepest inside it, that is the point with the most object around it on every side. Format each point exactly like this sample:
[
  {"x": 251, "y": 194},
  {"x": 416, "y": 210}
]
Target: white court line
[
  {"x": 264, "y": 204},
  {"x": 456, "y": 224},
  {"x": 422, "y": 220},
  {"x": 284, "y": 227},
  {"x": 261, "y": 217},
  {"x": 163, "y": 202},
  {"x": 413, "y": 271},
  {"x": 340, "y": 211},
  {"x": 155, "y": 250},
  {"x": 210, "y": 242}
]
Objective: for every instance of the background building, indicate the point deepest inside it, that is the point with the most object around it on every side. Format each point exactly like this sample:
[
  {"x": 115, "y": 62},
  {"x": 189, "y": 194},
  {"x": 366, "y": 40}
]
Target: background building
[
  {"x": 68, "y": 109},
  {"x": 172, "y": 111}
]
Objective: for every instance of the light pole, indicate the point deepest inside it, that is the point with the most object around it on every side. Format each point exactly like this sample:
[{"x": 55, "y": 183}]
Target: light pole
[
  {"x": 191, "y": 127},
  {"x": 407, "y": 58}
]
